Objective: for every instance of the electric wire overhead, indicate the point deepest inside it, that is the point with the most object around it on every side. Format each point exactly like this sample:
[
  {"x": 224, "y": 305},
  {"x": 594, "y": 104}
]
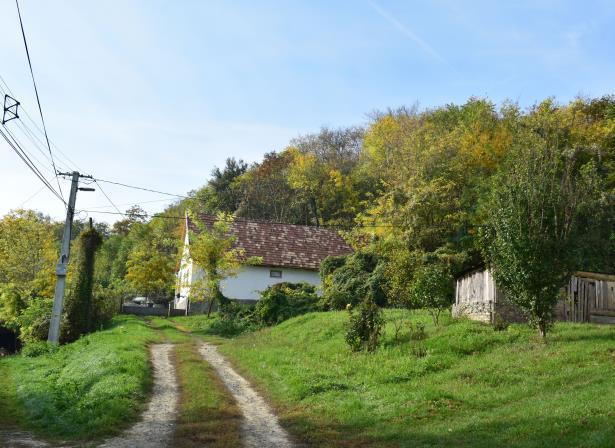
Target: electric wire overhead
[
  {"x": 142, "y": 188},
  {"x": 24, "y": 157},
  {"x": 38, "y": 101},
  {"x": 31, "y": 135},
  {"x": 108, "y": 198}
]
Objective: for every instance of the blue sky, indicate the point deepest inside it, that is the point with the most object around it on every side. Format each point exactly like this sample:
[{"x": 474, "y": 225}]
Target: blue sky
[{"x": 157, "y": 93}]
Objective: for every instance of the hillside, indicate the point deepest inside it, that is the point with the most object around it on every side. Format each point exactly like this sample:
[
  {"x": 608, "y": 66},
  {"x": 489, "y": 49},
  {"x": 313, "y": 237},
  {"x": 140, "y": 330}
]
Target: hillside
[
  {"x": 474, "y": 387},
  {"x": 90, "y": 388}
]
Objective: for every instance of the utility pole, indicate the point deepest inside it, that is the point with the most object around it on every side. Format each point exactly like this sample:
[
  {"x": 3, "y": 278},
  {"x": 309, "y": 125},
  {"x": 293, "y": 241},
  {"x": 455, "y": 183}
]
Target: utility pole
[{"x": 62, "y": 266}]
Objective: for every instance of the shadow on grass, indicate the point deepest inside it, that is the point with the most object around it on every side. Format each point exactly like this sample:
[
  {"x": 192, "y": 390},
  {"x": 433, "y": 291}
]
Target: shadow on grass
[{"x": 591, "y": 431}]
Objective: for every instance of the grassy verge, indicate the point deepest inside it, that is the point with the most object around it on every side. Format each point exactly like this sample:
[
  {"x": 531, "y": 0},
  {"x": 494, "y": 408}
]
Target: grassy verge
[
  {"x": 208, "y": 414},
  {"x": 87, "y": 389},
  {"x": 474, "y": 387}
]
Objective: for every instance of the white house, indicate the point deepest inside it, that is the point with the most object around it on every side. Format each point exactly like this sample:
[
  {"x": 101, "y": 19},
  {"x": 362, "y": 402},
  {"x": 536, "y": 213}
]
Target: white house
[{"x": 290, "y": 253}]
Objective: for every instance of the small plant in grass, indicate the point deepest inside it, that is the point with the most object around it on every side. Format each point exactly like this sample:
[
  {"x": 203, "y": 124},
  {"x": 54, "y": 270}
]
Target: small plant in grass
[
  {"x": 419, "y": 350},
  {"x": 399, "y": 320},
  {"x": 365, "y": 327},
  {"x": 499, "y": 323},
  {"x": 417, "y": 331}
]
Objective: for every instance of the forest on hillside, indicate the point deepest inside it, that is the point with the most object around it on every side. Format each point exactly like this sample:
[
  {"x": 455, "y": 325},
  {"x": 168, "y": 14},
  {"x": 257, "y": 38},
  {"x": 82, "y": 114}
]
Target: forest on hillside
[{"x": 413, "y": 188}]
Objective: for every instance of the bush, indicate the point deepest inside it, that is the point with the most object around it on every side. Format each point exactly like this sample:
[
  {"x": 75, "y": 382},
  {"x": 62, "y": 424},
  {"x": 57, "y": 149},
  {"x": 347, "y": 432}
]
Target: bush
[
  {"x": 365, "y": 327},
  {"x": 352, "y": 279},
  {"x": 38, "y": 348},
  {"x": 417, "y": 331},
  {"x": 284, "y": 300},
  {"x": 33, "y": 322},
  {"x": 231, "y": 326},
  {"x": 432, "y": 288}
]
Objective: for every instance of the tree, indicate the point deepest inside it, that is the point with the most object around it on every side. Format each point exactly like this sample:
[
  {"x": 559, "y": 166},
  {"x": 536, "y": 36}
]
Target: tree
[
  {"x": 533, "y": 232},
  {"x": 211, "y": 249},
  {"x": 432, "y": 288},
  {"x": 223, "y": 191},
  {"x": 150, "y": 267},
  {"x": 267, "y": 193},
  {"x": 133, "y": 215},
  {"x": 28, "y": 252},
  {"x": 326, "y": 173}
]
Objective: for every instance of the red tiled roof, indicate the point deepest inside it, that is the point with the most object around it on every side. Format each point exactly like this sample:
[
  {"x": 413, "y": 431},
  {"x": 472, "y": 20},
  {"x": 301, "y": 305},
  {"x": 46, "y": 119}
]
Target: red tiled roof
[{"x": 284, "y": 245}]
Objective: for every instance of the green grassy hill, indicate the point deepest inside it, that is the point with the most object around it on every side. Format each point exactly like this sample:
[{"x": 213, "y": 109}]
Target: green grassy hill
[
  {"x": 474, "y": 387},
  {"x": 95, "y": 386}
]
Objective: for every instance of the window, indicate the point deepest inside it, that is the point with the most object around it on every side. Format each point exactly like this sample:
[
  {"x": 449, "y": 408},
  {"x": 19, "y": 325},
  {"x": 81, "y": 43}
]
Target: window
[{"x": 275, "y": 274}]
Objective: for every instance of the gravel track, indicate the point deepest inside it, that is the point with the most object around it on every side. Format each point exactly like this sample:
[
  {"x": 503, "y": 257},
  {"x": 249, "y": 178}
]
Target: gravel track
[
  {"x": 158, "y": 422},
  {"x": 260, "y": 427}
]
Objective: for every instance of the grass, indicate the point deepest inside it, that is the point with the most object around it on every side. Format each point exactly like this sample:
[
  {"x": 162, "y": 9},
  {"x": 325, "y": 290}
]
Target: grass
[
  {"x": 474, "y": 387},
  {"x": 208, "y": 414},
  {"x": 87, "y": 389},
  {"x": 96, "y": 387},
  {"x": 465, "y": 385}
]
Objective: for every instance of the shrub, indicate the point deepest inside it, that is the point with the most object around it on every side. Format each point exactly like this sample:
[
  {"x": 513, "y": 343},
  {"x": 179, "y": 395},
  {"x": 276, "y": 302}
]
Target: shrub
[
  {"x": 365, "y": 327},
  {"x": 499, "y": 323},
  {"x": 33, "y": 322},
  {"x": 285, "y": 300},
  {"x": 432, "y": 288},
  {"x": 352, "y": 279},
  {"x": 417, "y": 331},
  {"x": 231, "y": 326},
  {"x": 419, "y": 350},
  {"x": 38, "y": 348}
]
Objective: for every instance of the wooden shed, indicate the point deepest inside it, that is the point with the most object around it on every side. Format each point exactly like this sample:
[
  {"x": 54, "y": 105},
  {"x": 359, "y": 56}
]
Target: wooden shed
[{"x": 588, "y": 297}]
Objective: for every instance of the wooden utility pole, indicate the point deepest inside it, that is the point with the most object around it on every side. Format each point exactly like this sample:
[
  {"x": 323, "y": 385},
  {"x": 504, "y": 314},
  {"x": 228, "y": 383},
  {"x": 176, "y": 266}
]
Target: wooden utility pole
[{"x": 62, "y": 266}]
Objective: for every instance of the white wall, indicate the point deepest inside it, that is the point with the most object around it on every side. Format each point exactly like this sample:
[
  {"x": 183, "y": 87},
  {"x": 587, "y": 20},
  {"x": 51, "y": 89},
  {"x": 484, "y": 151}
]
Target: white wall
[
  {"x": 252, "y": 279},
  {"x": 246, "y": 285},
  {"x": 184, "y": 277}
]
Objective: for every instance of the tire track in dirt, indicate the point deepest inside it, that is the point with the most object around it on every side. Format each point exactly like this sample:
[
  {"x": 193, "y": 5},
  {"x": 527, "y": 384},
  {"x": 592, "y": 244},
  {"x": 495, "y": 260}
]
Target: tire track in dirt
[
  {"x": 260, "y": 426},
  {"x": 158, "y": 422}
]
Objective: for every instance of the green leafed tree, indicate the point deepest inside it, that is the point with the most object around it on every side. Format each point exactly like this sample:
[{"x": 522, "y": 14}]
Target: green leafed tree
[
  {"x": 212, "y": 249},
  {"x": 534, "y": 229}
]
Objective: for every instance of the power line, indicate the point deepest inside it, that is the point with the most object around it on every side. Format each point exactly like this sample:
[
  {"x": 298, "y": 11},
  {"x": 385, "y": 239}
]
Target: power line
[
  {"x": 142, "y": 188},
  {"x": 38, "y": 101},
  {"x": 67, "y": 160},
  {"x": 108, "y": 198},
  {"x": 25, "y": 155},
  {"x": 31, "y": 197},
  {"x": 132, "y": 203},
  {"x": 14, "y": 146},
  {"x": 22, "y": 148}
]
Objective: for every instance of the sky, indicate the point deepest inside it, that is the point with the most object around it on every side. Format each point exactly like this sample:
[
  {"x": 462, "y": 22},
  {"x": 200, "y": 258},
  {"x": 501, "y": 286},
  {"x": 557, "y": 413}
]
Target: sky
[{"x": 157, "y": 93}]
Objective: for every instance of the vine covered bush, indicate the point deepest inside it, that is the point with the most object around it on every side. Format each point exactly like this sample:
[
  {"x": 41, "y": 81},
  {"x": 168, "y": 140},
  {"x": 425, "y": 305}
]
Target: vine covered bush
[
  {"x": 351, "y": 279},
  {"x": 284, "y": 300}
]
